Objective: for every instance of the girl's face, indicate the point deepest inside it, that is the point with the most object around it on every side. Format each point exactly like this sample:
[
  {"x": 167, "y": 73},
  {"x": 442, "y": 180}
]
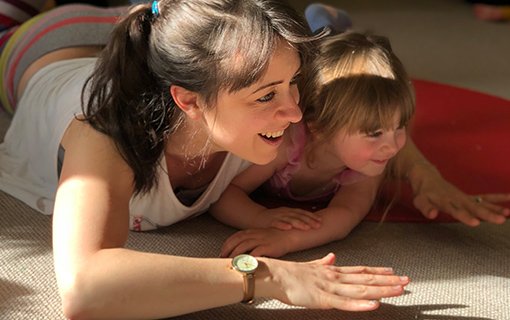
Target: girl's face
[
  {"x": 251, "y": 122},
  {"x": 369, "y": 153}
]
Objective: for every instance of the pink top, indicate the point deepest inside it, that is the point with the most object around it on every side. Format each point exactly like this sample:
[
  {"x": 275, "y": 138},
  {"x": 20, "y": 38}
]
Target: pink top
[{"x": 279, "y": 183}]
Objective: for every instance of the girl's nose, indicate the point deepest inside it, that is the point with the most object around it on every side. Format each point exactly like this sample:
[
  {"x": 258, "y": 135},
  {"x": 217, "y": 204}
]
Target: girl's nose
[{"x": 393, "y": 145}]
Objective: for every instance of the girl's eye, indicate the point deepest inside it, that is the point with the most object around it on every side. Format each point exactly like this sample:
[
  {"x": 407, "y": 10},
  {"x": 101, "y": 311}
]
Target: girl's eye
[
  {"x": 295, "y": 80},
  {"x": 374, "y": 134},
  {"x": 268, "y": 97}
]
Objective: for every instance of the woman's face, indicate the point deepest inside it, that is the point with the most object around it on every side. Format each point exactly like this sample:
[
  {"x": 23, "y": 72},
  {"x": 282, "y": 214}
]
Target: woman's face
[{"x": 251, "y": 122}]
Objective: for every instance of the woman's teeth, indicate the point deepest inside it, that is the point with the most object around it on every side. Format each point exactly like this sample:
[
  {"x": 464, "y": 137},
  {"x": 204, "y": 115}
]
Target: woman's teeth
[{"x": 275, "y": 134}]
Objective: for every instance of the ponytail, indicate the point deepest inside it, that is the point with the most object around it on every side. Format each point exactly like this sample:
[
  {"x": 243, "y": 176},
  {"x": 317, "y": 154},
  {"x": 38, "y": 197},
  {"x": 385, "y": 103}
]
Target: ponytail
[{"x": 126, "y": 101}]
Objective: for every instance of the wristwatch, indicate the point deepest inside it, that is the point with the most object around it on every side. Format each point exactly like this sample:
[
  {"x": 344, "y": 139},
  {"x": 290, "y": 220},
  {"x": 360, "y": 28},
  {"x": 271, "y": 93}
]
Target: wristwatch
[{"x": 247, "y": 265}]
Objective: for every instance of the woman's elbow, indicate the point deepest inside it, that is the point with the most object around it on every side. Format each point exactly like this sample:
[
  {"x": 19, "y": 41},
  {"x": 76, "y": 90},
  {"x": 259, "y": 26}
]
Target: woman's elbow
[{"x": 75, "y": 304}]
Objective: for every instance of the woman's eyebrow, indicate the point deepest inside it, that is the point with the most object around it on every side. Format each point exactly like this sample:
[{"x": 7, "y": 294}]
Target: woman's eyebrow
[
  {"x": 275, "y": 82},
  {"x": 267, "y": 85}
]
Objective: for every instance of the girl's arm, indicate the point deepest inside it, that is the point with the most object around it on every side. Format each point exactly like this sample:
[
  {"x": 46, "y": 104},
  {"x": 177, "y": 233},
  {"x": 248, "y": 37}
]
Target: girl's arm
[
  {"x": 235, "y": 207},
  {"x": 99, "y": 278},
  {"x": 345, "y": 211}
]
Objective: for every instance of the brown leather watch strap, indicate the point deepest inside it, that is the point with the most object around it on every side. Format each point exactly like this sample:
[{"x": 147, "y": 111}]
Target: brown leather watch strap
[{"x": 248, "y": 287}]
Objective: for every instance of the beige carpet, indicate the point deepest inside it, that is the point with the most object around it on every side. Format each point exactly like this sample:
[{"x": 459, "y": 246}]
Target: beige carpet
[{"x": 457, "y": 272}]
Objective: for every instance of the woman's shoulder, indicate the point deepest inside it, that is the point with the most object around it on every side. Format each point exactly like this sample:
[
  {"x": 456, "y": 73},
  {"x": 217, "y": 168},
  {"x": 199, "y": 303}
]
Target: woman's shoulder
[{"x": 82, "y": 141}]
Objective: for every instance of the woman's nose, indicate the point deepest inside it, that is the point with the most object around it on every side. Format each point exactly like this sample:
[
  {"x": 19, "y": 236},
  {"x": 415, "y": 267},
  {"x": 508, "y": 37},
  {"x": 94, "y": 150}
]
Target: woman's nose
[{"x": 291, "y": 111}]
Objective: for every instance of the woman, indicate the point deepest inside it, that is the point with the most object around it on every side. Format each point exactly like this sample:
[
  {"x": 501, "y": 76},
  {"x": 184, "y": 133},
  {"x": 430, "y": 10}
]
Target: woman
[{"x": 182, "y": 94}]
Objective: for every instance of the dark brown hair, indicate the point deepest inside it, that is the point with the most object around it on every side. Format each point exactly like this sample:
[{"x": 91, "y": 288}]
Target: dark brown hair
[{"x": 195, "y": 44}]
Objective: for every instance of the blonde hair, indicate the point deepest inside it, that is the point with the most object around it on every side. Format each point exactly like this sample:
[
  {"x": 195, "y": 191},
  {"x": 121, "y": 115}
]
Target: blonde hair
[{"x": 360, "y": 86}]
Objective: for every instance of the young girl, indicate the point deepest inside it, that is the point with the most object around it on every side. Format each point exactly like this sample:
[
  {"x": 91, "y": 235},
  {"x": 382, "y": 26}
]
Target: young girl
[
  {"x": 432, "y": 193},
  {"x": 150, "y": 133},
  {"x": 339, "y": 154}
]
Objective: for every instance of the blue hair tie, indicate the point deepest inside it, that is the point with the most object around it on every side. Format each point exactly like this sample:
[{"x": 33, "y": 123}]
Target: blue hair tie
[{"x": 155, "y": 8}]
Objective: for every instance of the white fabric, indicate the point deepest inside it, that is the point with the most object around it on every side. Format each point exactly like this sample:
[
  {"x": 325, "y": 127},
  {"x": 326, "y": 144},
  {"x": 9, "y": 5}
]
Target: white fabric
[
  {"x": 28, "y": 156},
  {"x": 161, "y": 207}
]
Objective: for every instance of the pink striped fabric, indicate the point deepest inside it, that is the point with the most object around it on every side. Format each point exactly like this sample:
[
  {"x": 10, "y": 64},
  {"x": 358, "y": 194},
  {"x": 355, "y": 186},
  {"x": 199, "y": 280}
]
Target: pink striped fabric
[{"x": 65, "y": 26}]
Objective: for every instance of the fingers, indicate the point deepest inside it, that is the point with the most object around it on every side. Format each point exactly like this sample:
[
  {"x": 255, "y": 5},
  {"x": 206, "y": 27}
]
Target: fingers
[
  {"x": 284, "y": 218},
  {"x": 496, "y": 197},
  {"x": 459, "y": 212},
  {"x": 473, "y": 210},
  {"x": 320, "y": 284},
  {"x": 257, "y": 242},
  {"x": 237, "y": 244},
  {"x": 359, "y": 297},
  {"x": 464, "y": 208},
  {"x": 364, "y": 269},
  {"x": 327, "y": 260},
  {"x": 488, "y": 211},
  {"x": 229, "y": 245},
  {"x": 490, "y": 200},
  {"x": 264, "y": 251},
  {"x": 502, "y": 211},
  {"x": 426, "y": 207},
  {"x": 373, "y": 279},
  {"x": 288, "y": 223},
  {"x": 298, "y": 219},
  {"x": 435, "y": 194},
  {"x": 347, "y": 304},
  {"x": 362, "y": 289},
  {"x": 362, "y": 275},
  {"x": 369, "y": 292},
  {"x": 281, "y": 225}
]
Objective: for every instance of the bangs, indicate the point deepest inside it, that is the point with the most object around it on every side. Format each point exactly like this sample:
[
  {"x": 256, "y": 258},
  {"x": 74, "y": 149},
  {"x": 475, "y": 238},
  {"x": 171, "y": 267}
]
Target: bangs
[
  {"x": 244, "y": 56},
  {"x": 366, "y": 103},
  {"x": 245, "y": 43}
]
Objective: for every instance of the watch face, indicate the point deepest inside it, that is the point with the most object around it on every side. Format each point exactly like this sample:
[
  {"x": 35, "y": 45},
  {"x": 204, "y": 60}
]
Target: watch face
[{"x": 245, "y": 263}]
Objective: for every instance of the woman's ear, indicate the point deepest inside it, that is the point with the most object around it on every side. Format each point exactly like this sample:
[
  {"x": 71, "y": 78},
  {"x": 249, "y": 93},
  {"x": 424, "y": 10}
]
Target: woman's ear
[{"x": 188, "y": 101}]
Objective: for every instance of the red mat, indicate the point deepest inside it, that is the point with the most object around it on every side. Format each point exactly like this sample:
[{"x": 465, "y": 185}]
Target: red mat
[{"x": 465, "y": 134}]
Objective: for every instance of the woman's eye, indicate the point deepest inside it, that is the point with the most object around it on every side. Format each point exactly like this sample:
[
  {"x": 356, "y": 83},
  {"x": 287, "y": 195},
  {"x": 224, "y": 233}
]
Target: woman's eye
[{"x": 268, "y": 97}]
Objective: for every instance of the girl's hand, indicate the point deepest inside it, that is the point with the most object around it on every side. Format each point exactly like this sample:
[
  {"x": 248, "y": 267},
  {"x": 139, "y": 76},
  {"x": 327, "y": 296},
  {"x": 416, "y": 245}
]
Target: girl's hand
[
  {"x": 321, "y": 285},
  {"x": 284, "y": 218},
  {"x": 268, "y": 242},
  {"x": 432, "y": 193}
]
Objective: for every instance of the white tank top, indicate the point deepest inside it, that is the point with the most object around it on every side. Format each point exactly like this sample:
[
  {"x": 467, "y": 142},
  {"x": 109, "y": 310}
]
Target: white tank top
[{"x": 28, "y": 155}]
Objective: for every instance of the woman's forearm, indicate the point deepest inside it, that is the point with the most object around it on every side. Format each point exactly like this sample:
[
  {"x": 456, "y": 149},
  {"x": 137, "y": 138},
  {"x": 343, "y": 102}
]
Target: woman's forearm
[{"x": 121, "y": 283}]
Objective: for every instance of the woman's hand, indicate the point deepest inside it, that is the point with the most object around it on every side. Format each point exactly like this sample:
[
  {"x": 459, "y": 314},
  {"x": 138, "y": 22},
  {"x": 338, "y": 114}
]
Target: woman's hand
[
  {"x": 432, "y": 193},
  {"x": 321, "y": 285}
]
